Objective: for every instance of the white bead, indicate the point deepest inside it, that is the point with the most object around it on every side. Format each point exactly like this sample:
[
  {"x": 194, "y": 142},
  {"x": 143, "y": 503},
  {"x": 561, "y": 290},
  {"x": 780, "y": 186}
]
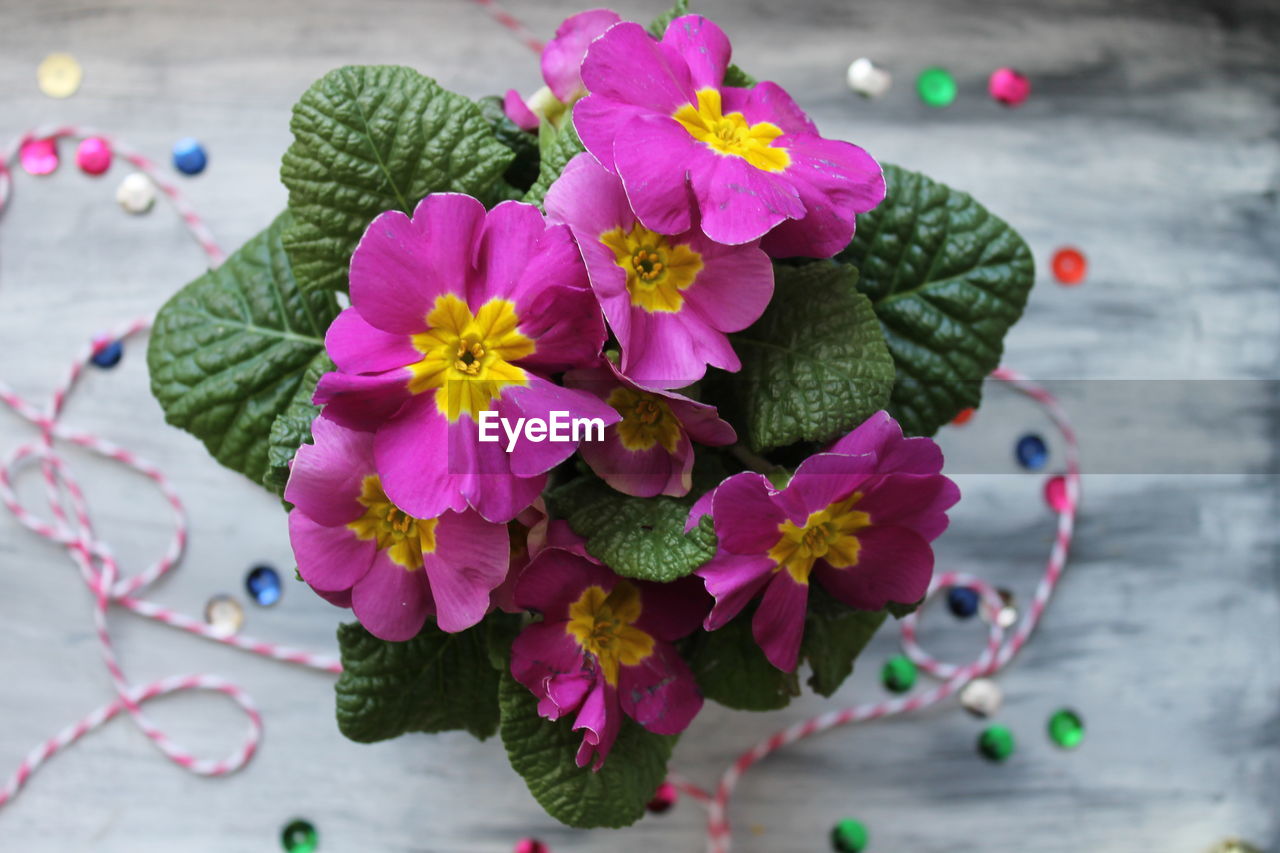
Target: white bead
[
  {"x": 136, "y": 194},
  {"x": 867, "y": 79},
  {"x": 981, "y": 697}
]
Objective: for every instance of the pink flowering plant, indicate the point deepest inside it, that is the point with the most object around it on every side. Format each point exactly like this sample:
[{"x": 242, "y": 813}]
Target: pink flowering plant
[{"x": 598, "y": 404}]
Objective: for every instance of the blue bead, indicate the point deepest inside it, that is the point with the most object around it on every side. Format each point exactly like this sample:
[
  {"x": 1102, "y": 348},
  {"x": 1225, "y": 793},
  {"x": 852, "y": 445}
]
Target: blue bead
[
  {"x": 110, "y": 355},
  {"x": 962, "y": 601},
  {"x": 189, "y": 156},
  {"x": 1032, "y": 452},
  {"x": 263, "y": 584}
]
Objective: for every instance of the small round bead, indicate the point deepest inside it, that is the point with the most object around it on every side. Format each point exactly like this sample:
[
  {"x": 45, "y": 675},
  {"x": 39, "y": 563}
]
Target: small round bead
[
  {"x": 963, "y": 601},
  {"x": 299, "y": 836},
  {"x": 1008, "y": 87},
  {"x": 59, "y": 75},
  {"x": 849, "y": 836},
  {"x": 530, "y": 845},
  {"x": 1069, "y": 265},
  {"x": 1066, "y": 729},
  {"x": 899, "y": 674},
  {"x": 263, "y": 584},
  {"x": 1234, "y": 845},
  {"x": 996, "y": 743},
  {"x": 867, "y": 79},
  {"x": 1031, "y": 452},
  {"x": 94, "y": 155},
  {"x": 108, "y": 354},
  {"x": 664, "y": 799},
  {"x": 936, "y": 87},
  {"x": 136, "y": 194},
  {"x": 963, "y": 417},
  {"x": 1055, "y": 493},
  {"x": 981, "y": 697},
  {"x": 224, "y": 615},
  {"x": 189, "y": 156},
  {"x": 39, "y": 156}
]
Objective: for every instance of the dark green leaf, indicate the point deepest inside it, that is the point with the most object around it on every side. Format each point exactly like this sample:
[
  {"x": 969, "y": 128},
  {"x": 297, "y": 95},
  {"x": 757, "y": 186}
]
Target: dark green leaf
[
  {"x": 373, "y": 138},
  {"x": 814, "y": 366},
  {"x": 558, "y": 147},
  {"x": 640, "y": 538},
  {"x": 228, "y": 352},
  {"x": 732, "y": 670},
  {"x": 947, "y": 279},
  {"x": 659, "y": 24},
  {"x": 523, "y": 170},
  {"x": 735, "y": 76},
  {"x": 500, "y": 630},
  {"x": 834, "y": 635},
  {"x": 292, "y": 427},
  {"x": 542, "y": 752},
  {"x": 433, "y": 683}
]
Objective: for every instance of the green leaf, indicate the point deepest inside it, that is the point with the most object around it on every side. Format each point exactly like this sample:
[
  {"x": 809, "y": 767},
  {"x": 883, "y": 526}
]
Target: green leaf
[
  {"x": 433, "y": 683},
  {"x": 558, "y": 147},
  {"x": 732, "y": 670},
  {"x": 500, "y": 631},
  {"x": 640, "y": 538},
  {"x": 228, "y": 352},
  {"x": 659, "y": 24},
  {"x": 524, "y": 169},
  {"x": 735, "y": 76},
  {"x": 292, "y": 427},
  {"x": 834, "y": 635},
  {"x": 372, "y": 138},
  {"x": 814, "y": 366},
  {"x": 947, "y": 279},
  {"x": 542, "y": 752}
]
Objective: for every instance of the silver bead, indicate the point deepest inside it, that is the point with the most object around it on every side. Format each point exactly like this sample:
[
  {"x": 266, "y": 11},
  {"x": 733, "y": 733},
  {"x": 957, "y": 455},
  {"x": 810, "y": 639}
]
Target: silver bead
[
  {"x": 868, "y": 79},
  {"x": 224, "y": 615},
  {"x": 136, "y": 194},
  {"x": 1008, "y": 612},
  {"x": 981, "y": 697}
]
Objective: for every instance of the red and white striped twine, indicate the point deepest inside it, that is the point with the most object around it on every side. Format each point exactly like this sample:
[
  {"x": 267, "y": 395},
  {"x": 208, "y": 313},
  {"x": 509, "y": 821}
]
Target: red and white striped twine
[
  {"x": 69, "y": 525},
  {"x": 98, "y": 568}
]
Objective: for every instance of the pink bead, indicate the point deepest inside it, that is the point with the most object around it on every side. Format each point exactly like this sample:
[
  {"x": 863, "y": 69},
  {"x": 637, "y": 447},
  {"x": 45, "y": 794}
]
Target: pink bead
[
  {"x": 530, "y": 845},
  {"x": 1008, "y": 87},
  {"x": 1055, "y": 493},
  {"x": 664, "y": 798},
  {"x": 94, "y": 155},
  {"x": 39, "y": 156}
]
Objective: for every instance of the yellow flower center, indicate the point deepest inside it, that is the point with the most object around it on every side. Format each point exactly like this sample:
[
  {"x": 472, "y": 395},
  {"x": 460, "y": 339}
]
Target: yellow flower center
[
  {"x": 830, "y": 534},
  {"x": 657, "y": 271},
  {"x": 466, "y": 358},
  {"x": 731, "y": 135},
  {"x": 604, "y": 626},
  {"x": 646, "y": 420},
  {"x": 403, "y": 537}
]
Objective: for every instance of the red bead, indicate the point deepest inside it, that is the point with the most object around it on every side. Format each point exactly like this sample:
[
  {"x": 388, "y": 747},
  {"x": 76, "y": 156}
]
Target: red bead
[
  {"x": 1009, "y": 87},
  {"x": 530, "y": 845},
  {"x": 1055, "y": 493},
  {"x": 664, "y": 798},
  {"x": 94, "y": 155},
  {"x": 962, "y": 417},
  {"x": 1069, "y": 265},
  {"x": 39, "y": 156}
]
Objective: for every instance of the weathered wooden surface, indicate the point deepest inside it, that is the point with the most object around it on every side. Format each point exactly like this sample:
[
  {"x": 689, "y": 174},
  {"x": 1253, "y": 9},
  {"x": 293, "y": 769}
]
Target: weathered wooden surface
[{"x": 1152, "y": 140}]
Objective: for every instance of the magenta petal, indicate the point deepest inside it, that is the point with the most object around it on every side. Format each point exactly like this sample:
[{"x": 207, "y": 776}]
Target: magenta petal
[
  {"x": 702, "y": 422},
  {"x": 601, "y": 718},
  {"x": 518, "y": 111},
  {"x": 420, "y": 461},
  {"x": 330, "y": 559},
  {"x": 880, "y": 434},
  {"x": 546, "y": 659},
  {"x": 778, "y": 625},
  {"x": 660, "y": 693},
  {"x": 672, "y": 611},
  {"x": 740, "y": 203},
  {"x": 626, "y": 64},
  {"x": 894, "y": 564},
  {"x": 734, "y": 288},
  {"x": 326, "y": 477},
  {"x": 471, "y": 559},
  {"x": 539, "y": 399},
  {"x": 652, "y": 154},
  {"x": 701, "y": 507},
  {"x": 701, "y": 44},
  {"x": 641, "y": 473},
  {"x": 919, "y": 502},
  {"x": 563, "y": 55},
  {"x": 659, "y": 352},
  {"x": 767, "y": 101},
  {"x": 598, "y": 121},
  {"x": 823, "y": 479},
  {"x": 357, "y": 347},
  {"x": 361, "y": 402},
  {"x": 746, "y": 517},
  {"x": 401, "y": 265},
  {"x": 555, "y": 578},
  {"x": 733, "y": 580},
  {"x": 589, "y": 199},
  {"x": 390, "y": 601}
]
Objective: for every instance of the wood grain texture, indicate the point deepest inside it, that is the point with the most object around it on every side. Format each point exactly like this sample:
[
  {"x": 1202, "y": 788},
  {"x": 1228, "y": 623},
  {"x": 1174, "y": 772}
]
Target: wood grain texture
[{"x": 1152, "y": 140}]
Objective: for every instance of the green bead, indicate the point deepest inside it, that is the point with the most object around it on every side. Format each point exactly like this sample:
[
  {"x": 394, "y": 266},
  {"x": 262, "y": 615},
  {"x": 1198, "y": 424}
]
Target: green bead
[
  {"x": 936, "y": 86},
  {"x": 899, "y": 674},
  {"x": 996, "y": 743},
  {"x": 849, "y": 836},
  {"x": 1066, "y": 729},
  {"x": 299, "y": 837},
  {"x": 1235, "y": 845}
]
